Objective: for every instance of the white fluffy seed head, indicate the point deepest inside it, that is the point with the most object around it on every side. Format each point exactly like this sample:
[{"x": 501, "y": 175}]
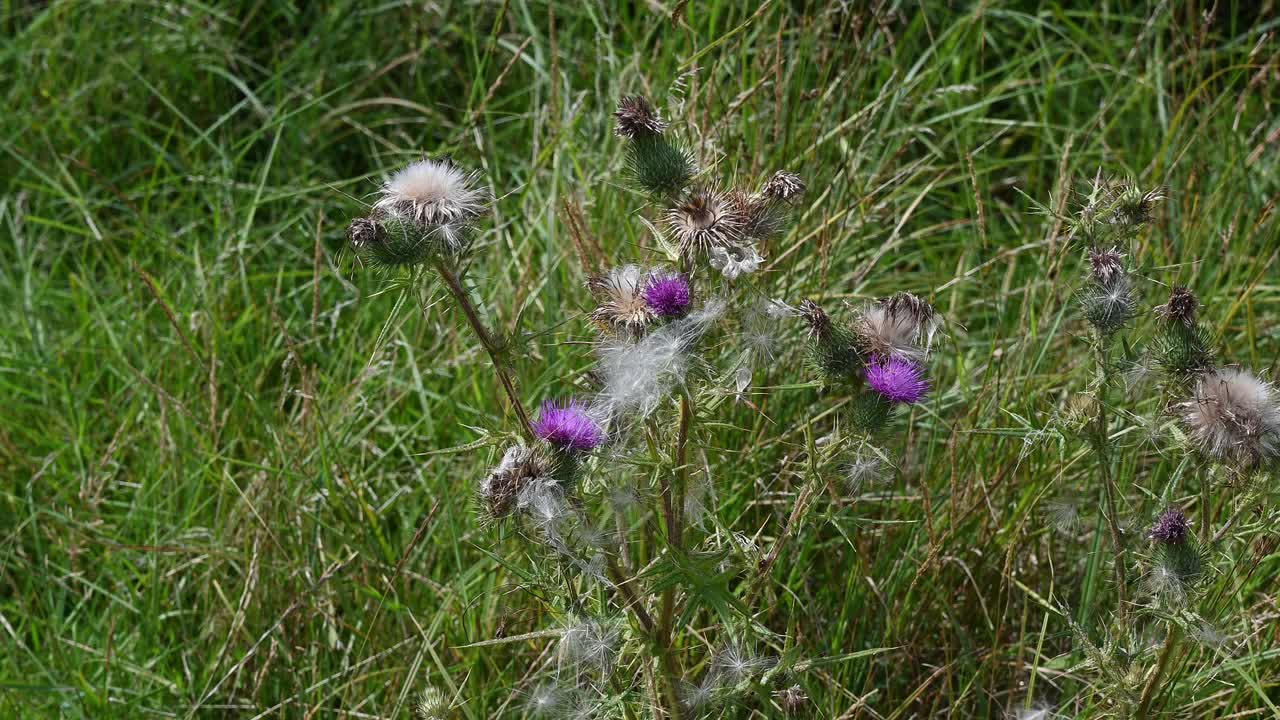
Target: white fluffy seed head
[
  {"x": 434, "y": 193},
  {"x": 639, "y": 375},
  {"x": 591, "y": 644},
  {"x": 1234, "y": 417}
]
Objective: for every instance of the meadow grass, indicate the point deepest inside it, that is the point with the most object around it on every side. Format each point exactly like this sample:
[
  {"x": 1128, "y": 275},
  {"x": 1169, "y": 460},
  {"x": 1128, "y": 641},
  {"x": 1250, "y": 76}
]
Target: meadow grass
[{"x": 216, "y": 433}]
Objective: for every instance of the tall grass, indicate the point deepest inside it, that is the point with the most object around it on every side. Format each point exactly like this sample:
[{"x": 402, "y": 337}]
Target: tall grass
[{"x": 217, "y": 430}]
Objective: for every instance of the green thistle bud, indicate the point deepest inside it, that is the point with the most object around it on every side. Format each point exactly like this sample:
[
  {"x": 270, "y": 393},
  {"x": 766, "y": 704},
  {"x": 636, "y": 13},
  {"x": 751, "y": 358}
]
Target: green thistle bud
[
  {"x": 870, "y": 411},
  {"x": 1110, "y": 307},
  {"x": 395, "y": 241},
  {"x": 661, "y": 168},
  {"x": 833, "y": 348},
  {"x": 1184, "y": 350}
]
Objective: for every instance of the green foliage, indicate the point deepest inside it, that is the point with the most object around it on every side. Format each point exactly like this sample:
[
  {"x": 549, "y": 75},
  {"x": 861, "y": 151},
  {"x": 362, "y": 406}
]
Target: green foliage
[{"x": 217, "y": 497}]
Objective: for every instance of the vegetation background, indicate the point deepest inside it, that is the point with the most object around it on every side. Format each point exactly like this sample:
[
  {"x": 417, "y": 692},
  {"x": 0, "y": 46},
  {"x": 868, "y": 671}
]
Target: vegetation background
[{"x": 215, "y": 499}]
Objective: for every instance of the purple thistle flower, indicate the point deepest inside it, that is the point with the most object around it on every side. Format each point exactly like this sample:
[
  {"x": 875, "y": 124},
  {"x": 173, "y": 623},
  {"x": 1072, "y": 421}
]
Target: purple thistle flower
[
  {"x": 1171, "y": 528},
  {"x": 668, "y": 295},
  {"x": 898, "y": 380},
  {"x": 568, "y": 426}
]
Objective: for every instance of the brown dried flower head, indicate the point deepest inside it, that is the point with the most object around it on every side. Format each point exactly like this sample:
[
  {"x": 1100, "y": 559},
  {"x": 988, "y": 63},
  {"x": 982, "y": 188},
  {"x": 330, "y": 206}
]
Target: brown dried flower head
[
  {"x": 704, "y": 219},
  {"x": 636, "y": 118}
]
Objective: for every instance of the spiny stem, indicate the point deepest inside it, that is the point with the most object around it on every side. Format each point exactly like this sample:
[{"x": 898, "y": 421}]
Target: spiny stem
[
  {"x": 1166, "y": 653},
  {"x": 491, "y": 346},
  {"x": 633, "y": 603},
  {"x": 1102, "y": 447}
]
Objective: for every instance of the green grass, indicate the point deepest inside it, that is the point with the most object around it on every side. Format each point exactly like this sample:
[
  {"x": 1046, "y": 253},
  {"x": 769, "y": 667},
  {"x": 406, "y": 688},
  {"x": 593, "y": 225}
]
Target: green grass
[{"x": 216, "y": 499}]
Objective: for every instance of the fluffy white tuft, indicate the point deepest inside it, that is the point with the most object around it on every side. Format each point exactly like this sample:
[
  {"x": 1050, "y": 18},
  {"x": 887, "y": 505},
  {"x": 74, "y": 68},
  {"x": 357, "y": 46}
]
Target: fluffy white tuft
[
  {"x": 639, "y": 375},
  {"x": 436, "y": 193},
  {"x": 1234, "y": 416},
  {"x": 887, "y": 333}
]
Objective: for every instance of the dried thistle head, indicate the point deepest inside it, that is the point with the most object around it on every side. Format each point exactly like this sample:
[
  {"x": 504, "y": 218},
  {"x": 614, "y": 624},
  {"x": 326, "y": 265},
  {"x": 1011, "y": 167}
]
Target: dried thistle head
[
  {"x": 792, "y": 700},
  {"x": 703, "y": 219},
  {"x": 783, "y": 186},
  {"x": 815, "y": 317},
  {"x": 901, "y": 326},
  {"x": 1234, "y": 417},
  {"x": 364, "y": 232},
  {"x": 500, "y": 491},
  {"x": 621, "y": 303},
  {"x": 636, "y": 118},
  {"x": 1105, "y": 264},
  {"x": 1181, "y": 308}
]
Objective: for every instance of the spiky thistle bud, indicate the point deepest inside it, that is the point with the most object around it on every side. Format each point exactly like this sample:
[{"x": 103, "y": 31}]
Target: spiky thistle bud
[
  {"x": 869, "y": 411},
  {"x": 783, "y": 186},
  {"x": 661, "y": 167},
  {"x": 621, "y": 302},
  {"x": 833, "y": 349},
  {"x": 636, "y": 118},
  {"x": 1109, "y": 307},
  {"x": 1233, "y": 416},
  {"x": 431, "y": 705},
  {"x": 1179, "y": 562}
]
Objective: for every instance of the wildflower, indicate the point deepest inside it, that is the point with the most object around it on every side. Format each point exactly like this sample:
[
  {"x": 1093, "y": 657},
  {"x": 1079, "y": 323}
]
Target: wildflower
[
  {"x": 792, "y": 700},
  {"x": 1181, "y": 308},
  {"x": 899, "y": 326},
  {"x": 636, "y": 118},
  {"x": 591, "y": 643},
  {"x": 761, "y": 217},
  {"x": 1170, "y": 528},
  {"x": 704, "y": 219},
  {"x": 668, "y": 295},
  {"x": 1105, "y": 265},
  {"x": 501, "y": 489},
  {"x": 568, "y": 427},
  {"x": 1234, "y": 417},
  {"x": 783, "y": 186},
  {"x": 735, "y": 259},
  {"x": 431, "y": 705},
  {"x": 898, "y": 380},
  {"x": 621, "y": 297},
  {"x": 437, "y": 195}
]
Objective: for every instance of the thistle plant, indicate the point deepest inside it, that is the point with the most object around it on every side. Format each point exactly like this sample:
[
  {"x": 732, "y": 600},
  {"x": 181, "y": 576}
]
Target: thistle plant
[
  {"x": 1223, "y": 417},
  {"x": 601, "y": 485}
]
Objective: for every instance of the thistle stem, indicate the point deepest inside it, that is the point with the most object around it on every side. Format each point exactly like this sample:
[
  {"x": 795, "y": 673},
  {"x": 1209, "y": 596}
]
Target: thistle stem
[
  {"x": 491, "y": 346},
  {"x": 1102, "y": 448},
  {"x": 1166, "y": 653}
]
